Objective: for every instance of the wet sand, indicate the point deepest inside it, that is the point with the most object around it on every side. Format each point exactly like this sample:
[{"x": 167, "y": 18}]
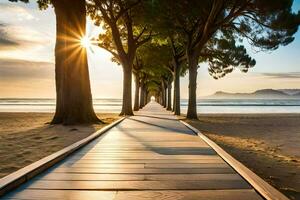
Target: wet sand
[
  {"x": 26, "y": 138},
  {"x": 268, "y": 144}
]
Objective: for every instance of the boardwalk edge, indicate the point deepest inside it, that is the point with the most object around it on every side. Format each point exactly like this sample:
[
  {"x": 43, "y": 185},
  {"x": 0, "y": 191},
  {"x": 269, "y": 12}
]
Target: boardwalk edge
[
  {"x": 261, "y": 186},
  {"x": 21, "y": 176}
]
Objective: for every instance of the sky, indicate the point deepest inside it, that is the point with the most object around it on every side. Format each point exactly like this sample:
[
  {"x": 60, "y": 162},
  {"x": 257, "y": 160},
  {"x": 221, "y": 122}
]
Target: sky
[{"x": 27, "y": 39}]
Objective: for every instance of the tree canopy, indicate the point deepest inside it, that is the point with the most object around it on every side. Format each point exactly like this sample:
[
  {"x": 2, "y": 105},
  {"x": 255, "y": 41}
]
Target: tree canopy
[{"x": 158, "y": 41}]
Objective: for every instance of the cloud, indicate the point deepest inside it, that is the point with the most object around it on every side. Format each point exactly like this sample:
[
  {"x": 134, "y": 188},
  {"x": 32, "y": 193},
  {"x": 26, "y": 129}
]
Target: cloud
[
  {"x": 288, "y": 75},
  {"x": 16, "y": 28},
  {"x": 14, "y": 37},
  {"x": 6, "y": 41},
  {"x": 20, "y": 12},
  {"x": 13, "y": 69}
]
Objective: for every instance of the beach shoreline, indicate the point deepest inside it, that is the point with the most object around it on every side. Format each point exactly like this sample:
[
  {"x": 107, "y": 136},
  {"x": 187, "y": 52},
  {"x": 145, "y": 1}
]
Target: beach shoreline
[{"x": 268, "y": 144}]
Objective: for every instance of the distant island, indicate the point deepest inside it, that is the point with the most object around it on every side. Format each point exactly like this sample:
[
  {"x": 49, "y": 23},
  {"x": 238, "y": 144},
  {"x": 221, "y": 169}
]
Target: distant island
[{"x": 259, "y": 94}]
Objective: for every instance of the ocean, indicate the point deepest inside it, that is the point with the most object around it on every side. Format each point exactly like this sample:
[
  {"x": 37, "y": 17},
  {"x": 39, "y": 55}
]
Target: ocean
[{"x": 203, "y": 105}]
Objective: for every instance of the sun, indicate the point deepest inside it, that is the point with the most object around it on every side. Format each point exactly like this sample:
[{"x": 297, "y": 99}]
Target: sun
[{"x": 85, "y": 42}]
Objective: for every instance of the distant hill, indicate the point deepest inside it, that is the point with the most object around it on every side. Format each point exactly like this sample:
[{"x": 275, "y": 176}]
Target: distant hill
[
  {"x": 291, "y": 91},
  {"x": 259, "y": 94},
  {"x": 296, "y": 94}
]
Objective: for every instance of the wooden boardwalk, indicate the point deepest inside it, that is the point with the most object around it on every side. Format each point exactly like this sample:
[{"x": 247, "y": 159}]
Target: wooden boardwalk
[{"x": 148, "y": 156}]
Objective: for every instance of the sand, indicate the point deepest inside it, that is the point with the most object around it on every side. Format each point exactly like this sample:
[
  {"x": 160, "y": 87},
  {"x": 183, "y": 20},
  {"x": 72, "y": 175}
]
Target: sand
[
  {"x": 26, "y": 138},
  {"x": 268, "y": 144}
]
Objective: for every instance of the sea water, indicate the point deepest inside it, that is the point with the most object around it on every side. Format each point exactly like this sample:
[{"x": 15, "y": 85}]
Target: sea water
[{"x": 203, "y": 105}]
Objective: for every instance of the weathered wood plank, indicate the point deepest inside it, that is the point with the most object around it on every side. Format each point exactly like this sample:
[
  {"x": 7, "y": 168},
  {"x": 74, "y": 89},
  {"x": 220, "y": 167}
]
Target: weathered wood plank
[
  {"x": 105, "y": 166},
  {"x": 138, "y": 177},
  {"x": 190, "y": 195},
  {"x": 191, "y": 166},
  {"x": 141, "y": 157},
  {"x": 139, "y": 166},
  {"x": 147, "y": 165},
  {"x": 139, "y": 161},
  {"x": 92, "y": 177},
  {"x": 138, "y": 185},
  {"x": 31, "y": 194},
  {"x": 145, "y": 171},
  {"x": 192, "y": 177}
]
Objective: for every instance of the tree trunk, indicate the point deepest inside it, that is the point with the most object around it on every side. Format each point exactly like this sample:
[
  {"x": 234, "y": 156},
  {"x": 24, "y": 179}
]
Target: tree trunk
[
  {"x": 165, "y": 97},
  {"x": 174, "y": 96},
  {"x": 177, "y": 90},
  {"x": 137, "y": 95},
  {"x": 142, "y": 94},
  {"x": 192, "y": 104},
  {"x": 163, "y": 94},
  {"x": 159, "y": 98},
  {"x": 146, "y": 97},
  {"x": 127, "y": 82},
  {"x": 73, "y": 92},
  {"x": 169, "y": 103}
]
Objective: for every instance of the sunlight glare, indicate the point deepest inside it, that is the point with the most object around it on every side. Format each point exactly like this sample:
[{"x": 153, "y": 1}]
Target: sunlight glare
[{"x": 85, "y": 42}]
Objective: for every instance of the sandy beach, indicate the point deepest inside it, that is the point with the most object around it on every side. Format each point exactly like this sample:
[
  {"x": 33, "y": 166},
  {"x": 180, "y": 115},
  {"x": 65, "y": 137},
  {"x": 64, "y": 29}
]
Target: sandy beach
[
  {"x": 268, "y": 144},
  {"x": 26, "y": 137}
]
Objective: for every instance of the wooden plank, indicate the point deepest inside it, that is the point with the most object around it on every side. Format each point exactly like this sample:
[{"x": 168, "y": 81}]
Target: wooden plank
[
  {"x": 189, "y": 195},
  {"x": 137, "y": 177},
  {"x": 92, "y": 177},
  {"x": 145, "y": 171},
  {"x": 105, "y": 166},
  {"x": 113, "y": 158},
  {"x": 138, "y": 185},
  {"x": 141, "y": 157},
  {"x": 148, "y": 165},
  {"x": 153, "y": 152},
  {"x": 127, "y": 161},
  {"x": 139, "y": 166},
  {"x": 31, "y": 194},
  {"x": 192, "y": 177},
  {"x": 191, "y": 166},
  {"x": 265, "y": 189}
]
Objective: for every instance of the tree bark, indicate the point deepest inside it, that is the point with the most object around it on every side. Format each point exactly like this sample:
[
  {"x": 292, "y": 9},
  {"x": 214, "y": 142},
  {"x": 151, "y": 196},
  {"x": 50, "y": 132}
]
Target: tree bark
[
  {"x": 142, "y": 94},
  {"x": 73, "y": 92},
  {"x": 127, "y": 97},
  {"x": 163, "y": 93},
  {"x": 174, "y": 96},
  {"x": 159, "y": 98},
  {"x": 177, "y": 90},
  {"x": 165, "y": 97},
  {"x": 137, "y": 95},
  {"x": 192, "y": 104},
  {"x": 146, "y": 97},
  {"x": 169, "y": 103}
]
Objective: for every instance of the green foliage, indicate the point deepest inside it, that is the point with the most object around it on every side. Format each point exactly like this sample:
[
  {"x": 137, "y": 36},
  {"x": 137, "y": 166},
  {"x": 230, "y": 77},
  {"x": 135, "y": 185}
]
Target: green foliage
[
  {"x": 43, "y": 4},
  {"x": 210, "y": 30},
  {"x": 224, "y": 55},
  {"x": 122, "y": 22},
  {"x": 265, "y": 24}
]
